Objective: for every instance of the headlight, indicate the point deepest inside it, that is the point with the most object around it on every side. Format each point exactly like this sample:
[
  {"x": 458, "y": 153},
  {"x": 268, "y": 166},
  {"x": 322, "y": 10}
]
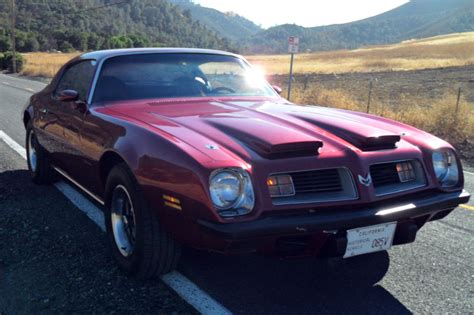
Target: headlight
[
  {"x": 446, "y": 168},
  {"x": 232, "y": 192}
]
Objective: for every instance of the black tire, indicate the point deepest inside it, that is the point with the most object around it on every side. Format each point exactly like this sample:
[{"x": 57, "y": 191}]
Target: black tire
[
  {"x": 154, "y": 251},
  {"x": 41, "y": 173}
]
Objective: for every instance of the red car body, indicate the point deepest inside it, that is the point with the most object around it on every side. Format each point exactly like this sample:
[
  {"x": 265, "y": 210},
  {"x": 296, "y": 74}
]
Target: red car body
[{"x": 173, "y": 145}]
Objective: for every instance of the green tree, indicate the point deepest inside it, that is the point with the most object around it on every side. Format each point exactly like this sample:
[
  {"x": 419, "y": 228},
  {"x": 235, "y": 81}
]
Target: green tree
[
  {"x": 4, "y": 43},
  {"x": 7, "y": 61}
]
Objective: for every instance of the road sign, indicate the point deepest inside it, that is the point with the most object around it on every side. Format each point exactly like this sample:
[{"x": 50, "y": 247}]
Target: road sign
[{"x": 293, "y": 44}]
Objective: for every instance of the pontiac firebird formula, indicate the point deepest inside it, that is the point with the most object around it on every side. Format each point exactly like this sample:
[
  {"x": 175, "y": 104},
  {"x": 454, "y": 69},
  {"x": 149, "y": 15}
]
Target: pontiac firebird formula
[{"x": 191, "y": 147}]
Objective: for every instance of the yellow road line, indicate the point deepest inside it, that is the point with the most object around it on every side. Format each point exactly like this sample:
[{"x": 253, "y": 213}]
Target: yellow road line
[{"x": 467, "y": 207}]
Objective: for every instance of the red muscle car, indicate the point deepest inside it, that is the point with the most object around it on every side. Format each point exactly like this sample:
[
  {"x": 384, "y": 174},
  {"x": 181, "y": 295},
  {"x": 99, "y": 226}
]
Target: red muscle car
[{"x": 191, "y": 147}]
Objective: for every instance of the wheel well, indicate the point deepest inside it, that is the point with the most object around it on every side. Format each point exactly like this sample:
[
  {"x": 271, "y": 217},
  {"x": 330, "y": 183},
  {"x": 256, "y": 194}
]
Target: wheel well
[
  {"x": 106, "y": 163},
  {"x": 26, "y": 118}
]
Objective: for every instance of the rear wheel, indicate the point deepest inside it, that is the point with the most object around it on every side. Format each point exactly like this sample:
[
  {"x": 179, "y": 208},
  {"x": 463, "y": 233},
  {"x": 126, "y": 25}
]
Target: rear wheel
[
  {"x": 137, "y": 239},
  {"x": 37, "y": 159}
]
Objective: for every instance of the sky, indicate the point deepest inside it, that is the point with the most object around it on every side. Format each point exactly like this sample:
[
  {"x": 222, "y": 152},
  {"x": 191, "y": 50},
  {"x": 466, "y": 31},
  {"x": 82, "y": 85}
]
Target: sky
[{"x": 268, "y": 13}]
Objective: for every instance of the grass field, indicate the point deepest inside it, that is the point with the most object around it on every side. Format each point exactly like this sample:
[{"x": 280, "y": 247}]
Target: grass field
[
  {"x": 41, "y": 64},
  {"x": 434, "y": 52}
]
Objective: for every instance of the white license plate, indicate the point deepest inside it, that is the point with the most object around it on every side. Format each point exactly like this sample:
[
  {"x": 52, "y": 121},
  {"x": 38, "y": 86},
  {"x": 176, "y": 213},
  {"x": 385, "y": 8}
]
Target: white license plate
[{"x": 370, "y": 239}]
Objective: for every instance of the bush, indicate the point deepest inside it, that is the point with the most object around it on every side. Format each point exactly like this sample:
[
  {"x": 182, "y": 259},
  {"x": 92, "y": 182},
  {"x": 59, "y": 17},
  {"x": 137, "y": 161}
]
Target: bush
[{"x": 7, "y": 62}]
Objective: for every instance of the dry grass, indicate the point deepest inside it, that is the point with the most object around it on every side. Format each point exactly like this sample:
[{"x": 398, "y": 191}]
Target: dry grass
[
  {"x": 45, "y": 64},
  {"x": 434, "y": 52}
]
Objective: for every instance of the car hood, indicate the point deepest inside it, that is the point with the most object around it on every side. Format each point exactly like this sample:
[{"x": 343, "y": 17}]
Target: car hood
[{"x": 272, "y": 128}]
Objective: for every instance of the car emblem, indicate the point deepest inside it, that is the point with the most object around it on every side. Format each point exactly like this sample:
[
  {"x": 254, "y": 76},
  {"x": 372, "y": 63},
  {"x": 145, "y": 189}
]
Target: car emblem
[
  {"x": 366, "y": 181},
  {"x": 212, "y": 147}
]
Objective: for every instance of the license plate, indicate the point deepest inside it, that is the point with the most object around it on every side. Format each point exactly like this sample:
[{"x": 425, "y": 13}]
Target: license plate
[{"x": 370, "y": 239}]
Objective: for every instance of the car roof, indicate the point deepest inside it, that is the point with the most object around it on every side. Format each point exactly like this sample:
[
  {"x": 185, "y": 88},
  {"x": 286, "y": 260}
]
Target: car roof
[{"x": 104, "y": 54}]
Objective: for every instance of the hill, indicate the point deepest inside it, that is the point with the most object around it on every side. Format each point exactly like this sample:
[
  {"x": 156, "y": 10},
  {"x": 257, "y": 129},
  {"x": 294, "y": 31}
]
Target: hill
[
  {"x": 228, "y": 25},
  {"x": 416, "y": 19},
  {"x": 68, "y": 25}
]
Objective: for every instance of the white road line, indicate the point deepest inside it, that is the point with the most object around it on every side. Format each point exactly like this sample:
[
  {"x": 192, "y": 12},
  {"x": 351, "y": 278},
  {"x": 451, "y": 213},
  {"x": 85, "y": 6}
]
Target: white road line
[
  {"x": 469, "y": 173},
  {"x": 13, "y": 144},
  {"x": 184, "y": 287},
  {"x": 192, "y": 294}
]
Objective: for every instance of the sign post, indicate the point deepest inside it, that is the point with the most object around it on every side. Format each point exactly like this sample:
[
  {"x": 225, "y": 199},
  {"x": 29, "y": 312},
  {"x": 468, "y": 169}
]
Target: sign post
[{"x": 293, "y": 43}]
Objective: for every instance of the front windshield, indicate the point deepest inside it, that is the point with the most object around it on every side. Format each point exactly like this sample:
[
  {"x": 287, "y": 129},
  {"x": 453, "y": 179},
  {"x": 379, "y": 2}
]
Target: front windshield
[{"x": 174, "y": 75}]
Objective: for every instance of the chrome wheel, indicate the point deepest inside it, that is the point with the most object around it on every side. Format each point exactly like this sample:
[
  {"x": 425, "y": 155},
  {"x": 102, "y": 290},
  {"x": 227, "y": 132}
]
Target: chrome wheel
[
  {"x": 32, "y": 154},
  {"x": 123, "y": 220}
]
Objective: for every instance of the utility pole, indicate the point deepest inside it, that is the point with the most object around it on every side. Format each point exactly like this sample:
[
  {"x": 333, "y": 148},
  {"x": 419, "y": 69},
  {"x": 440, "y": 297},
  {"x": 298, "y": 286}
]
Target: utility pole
[{"x": 13, "y": 39}]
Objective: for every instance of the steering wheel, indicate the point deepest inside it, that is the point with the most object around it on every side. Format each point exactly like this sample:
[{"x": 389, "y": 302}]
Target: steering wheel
[{"x": 223, "y": 89}]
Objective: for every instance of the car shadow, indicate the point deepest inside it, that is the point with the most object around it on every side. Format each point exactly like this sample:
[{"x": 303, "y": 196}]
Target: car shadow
[{"x": 268, "y": 285}]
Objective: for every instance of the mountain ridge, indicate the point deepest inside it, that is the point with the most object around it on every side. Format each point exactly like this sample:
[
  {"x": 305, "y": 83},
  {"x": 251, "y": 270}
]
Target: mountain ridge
[
  {"x": 68, "y": 25},
  {"x": 415, "y": 19},
  {"x": 227, "y": 24}
]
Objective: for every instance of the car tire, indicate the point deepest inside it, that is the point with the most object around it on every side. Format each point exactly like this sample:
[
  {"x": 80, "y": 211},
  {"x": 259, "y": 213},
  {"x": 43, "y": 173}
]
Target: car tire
[
  {"x": 138, "y": 241},
  {"x": 37, "y": 159}
]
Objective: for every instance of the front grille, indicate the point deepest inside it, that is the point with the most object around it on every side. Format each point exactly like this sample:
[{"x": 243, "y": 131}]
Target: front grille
[
  {"x": 384, "y": 174},
  {"x": 386, "y": 179},
  {"x": 317, "y": 181},
  {"x": 315, "y": 186}
]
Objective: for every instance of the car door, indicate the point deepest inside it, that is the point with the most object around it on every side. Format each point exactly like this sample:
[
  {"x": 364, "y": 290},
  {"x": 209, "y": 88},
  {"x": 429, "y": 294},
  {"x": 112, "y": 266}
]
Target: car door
[{"x": 70, "y": 112}]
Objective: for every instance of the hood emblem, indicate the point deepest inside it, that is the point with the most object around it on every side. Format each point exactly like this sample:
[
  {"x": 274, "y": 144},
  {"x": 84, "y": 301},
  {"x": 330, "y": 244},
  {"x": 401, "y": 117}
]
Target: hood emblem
[
  {"x": 366, "y": 181},
  {"x": 212, "y": 147}
]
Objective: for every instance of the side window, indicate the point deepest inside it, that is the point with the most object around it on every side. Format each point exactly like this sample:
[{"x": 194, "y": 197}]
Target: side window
[{"x": 78, "y": 77}]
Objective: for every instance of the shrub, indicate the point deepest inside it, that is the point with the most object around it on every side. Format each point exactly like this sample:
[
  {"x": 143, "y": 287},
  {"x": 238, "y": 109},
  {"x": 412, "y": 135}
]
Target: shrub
[{"x": 7, "y": 62}]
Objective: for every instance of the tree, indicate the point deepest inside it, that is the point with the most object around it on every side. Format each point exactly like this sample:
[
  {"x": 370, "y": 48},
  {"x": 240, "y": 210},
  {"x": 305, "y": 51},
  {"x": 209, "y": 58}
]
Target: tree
[
  {"x": 65, "y": 46},
  {"x": 31, "y": 44},
  {"x": 4, "y": 43}
]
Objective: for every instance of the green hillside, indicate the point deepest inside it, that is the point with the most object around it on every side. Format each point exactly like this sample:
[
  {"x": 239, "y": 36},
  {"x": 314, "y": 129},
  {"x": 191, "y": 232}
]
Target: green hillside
[
  {"x": 71, "y": 25},
  {"x": 416, "y": 19},
  {"x": 228, "y": 25}
]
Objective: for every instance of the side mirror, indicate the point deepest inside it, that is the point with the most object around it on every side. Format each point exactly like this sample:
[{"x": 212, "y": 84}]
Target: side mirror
[
  {"x": 68, "y": 96},
  {"x": 277, "y": 89}
]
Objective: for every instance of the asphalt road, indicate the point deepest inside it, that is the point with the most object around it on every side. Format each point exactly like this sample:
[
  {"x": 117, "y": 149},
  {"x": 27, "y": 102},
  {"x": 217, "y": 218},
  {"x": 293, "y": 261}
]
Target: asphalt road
[{"x": 53, "y": 259}]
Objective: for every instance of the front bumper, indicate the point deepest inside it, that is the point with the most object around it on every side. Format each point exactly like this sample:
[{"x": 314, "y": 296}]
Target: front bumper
[{"x": 428, "y": 207}]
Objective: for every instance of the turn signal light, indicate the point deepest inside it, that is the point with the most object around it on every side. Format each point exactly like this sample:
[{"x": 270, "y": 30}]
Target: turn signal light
[
  {"x": 280, "y": 186},
  {"x": 406, "y": 173}
]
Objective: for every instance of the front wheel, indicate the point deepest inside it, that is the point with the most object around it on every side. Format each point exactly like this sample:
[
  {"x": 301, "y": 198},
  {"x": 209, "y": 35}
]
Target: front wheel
[
  {"x": 37, "y": 159},
  {"x": 137, "y": 239}
]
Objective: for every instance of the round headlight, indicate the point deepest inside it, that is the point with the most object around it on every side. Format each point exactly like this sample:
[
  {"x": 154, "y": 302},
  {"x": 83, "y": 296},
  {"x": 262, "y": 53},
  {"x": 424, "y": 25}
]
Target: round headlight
[
  {"x": 232, "y": 192},
  {"x": 226, "y": 189},
  {"x": 446, "y": 168}
]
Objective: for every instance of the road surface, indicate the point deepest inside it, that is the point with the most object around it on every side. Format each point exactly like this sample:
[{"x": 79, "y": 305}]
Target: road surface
[{"x": 53, "y": 258}]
